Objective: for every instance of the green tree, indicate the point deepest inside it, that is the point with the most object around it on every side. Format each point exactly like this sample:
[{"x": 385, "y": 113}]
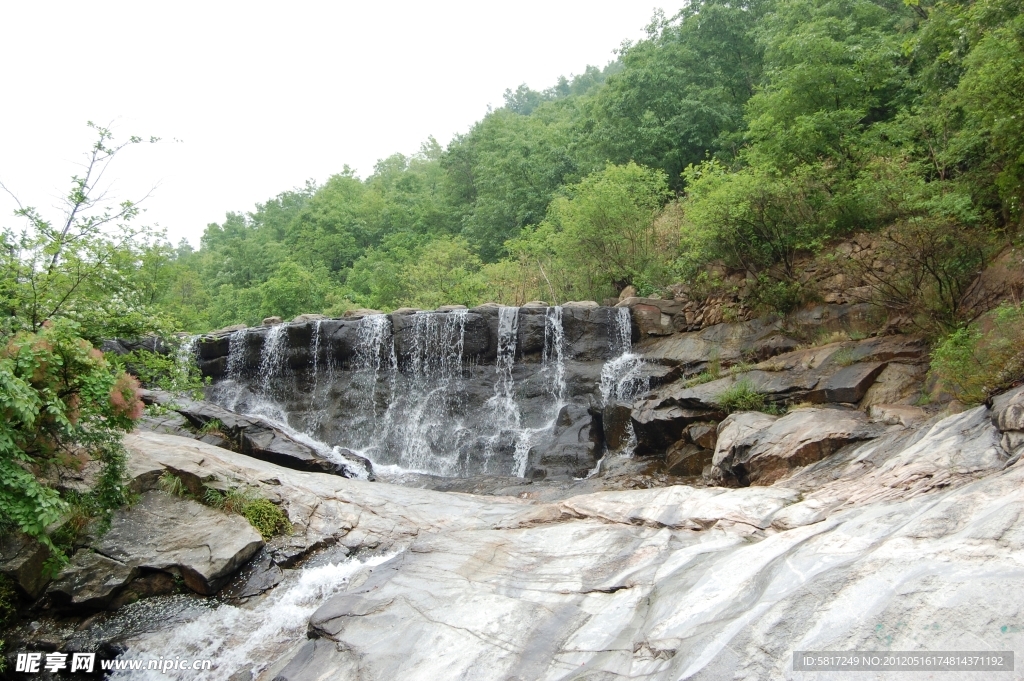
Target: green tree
[{"x": 81, "y": 265}]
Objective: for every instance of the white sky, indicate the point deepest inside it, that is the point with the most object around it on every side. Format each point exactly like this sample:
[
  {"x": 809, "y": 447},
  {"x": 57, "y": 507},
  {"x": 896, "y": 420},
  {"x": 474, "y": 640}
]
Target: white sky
[{"x": 261, "y": 96}]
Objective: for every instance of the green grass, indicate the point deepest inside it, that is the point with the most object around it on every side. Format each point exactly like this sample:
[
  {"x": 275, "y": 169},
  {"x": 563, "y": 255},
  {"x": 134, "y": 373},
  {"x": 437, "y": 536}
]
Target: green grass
[
  {"x": 741, "y": 396},
  {"x": 268, "y": 519},
  {"x": 843, "y": 357}
]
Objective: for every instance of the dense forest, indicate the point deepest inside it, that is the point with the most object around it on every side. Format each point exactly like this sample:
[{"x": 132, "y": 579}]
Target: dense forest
[
  {"x": 743, "y": 132},
  {"x": 739, "y": 133}
]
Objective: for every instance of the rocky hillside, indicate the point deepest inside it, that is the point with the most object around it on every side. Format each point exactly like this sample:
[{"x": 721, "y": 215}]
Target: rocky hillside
[{"x": 704, "y": 500}]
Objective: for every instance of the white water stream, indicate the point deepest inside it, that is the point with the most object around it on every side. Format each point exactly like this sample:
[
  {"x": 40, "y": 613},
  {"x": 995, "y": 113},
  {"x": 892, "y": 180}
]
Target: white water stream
[{"x": 245, "y": 637}]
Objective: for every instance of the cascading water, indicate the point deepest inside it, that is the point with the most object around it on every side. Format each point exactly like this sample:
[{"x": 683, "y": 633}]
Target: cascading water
[
  {"x": 424, "y": 420},
  {"x": 243, "y": 640},
  {"x": 622, "y": 377},
  {"x": 554, "y": 353},
  {"x": 271, "y": 358},
  {"x": 233, "y": 387},
  {"x": 185, "y": 357},
  {"x": 421, "y": 410}
]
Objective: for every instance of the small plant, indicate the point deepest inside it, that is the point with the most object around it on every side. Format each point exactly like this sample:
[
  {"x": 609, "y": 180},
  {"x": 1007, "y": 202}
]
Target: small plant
[
  {"x": 701, "y": 378},
  {"x": 262, "y": 514},
  {"x": 213, "y": 426},
  {"x": 172, "y": 484},
  {"x": 741, "y": 396},
  {"x": 857, "y": 335},
  {"x": 843, "y": 357},
  {"x": 740, "y": 368},
  {"x": 973, "y": 363}
]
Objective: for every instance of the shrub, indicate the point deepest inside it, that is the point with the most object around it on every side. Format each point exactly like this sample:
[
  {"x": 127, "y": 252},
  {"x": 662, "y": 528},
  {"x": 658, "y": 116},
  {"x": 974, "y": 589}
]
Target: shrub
[
  {"x": 59, "y": 399},
  {"x": 741, "y": 396},
  {"x": 172, "y": 373},
  {"x": 977, "y": 361},
  {"x": 268, "y": 519}
]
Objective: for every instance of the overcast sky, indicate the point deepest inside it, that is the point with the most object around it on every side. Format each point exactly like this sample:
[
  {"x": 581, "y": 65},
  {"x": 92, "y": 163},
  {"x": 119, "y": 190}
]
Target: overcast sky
[{"x": 252, "y": 98}]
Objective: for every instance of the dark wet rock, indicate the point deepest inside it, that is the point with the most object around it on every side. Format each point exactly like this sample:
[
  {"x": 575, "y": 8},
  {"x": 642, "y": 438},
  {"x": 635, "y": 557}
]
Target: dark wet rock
[
  {"x": 687, "y": 460},
  {"x": 262, "y": 440},
  {"x": 572, "y": 449},
  {"x": 21, "y": 560},
  {"x": 258, "y": 576},
  {"x": 162, "y": 532},
  {"x": 703, "y": 435},
  {"x": 657, "y": 427},
  {"x": 758, "y": 449},
  {"x": 615, "y": 419},
  {"x": 90, "y": 581}
]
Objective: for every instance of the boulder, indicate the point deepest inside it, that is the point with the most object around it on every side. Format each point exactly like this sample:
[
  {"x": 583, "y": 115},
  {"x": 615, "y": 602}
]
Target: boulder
[
  {"x": 848, "y": 385},
  {"x": 90, "y": 581},
  {"x": 687, "y": 460},
  {"x": 758, "y": 449},
  {"x": 272, "y": 321},
  {"x": 703, "y": 435},
  {"x": 589, "y": 304},
  {"x": 728, "y": 343},
  {"x": 167, "y": 533},
  {"x": 899, "y": 383},
  {"x": 1008, "y": 410},
  {"x": 627, "y": 292},
  {"x": 450, "y": 308},
  {"x": 262, "y": 440},
  {"x": 572, "y": 449},
  {"x": 657, "y": 427},
  {"x": 615, "y": 421},
  {"x": 21, "y": 560},
  {"x": 303, "y": 318}
]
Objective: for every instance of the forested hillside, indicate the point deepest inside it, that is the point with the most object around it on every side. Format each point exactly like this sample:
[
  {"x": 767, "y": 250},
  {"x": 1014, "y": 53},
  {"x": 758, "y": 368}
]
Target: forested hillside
[{"x": 742, "y": 132}]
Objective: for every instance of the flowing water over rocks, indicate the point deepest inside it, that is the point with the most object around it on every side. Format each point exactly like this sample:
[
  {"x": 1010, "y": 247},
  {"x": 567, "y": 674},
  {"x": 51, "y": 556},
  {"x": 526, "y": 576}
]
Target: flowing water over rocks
[
  {"x": 619, "y": 524},
  {"x": 493, "y": 391}
]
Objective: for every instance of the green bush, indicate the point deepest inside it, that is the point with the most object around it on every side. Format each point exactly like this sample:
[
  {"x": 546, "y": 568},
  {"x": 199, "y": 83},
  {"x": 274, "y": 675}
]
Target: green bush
[
  {"x": 164, "y": 372},
  {"x": 977, "y": 361},
  {"x": 268, "y": 519},
  {"x": 60, "y": 400},
  {"x": 742, "y": 396}
]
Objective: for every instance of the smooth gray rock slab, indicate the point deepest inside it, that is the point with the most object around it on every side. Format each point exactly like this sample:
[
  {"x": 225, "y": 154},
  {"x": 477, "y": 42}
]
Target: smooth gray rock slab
[
  {"x": 91, "y": 580},
  {"x": 162, "y": 532}
]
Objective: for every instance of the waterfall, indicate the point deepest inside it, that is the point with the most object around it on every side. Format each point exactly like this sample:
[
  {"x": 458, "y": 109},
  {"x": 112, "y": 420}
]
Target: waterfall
[
  {"x": 271, "y": 358},
  {"x": 374, "y": 356},
  {"x": 241, "y": 640},
  {"x": 419, "y": 412},
  {"x": 504, "y": 417},
  {"x": 554, "y": 354},
  {"x": 315, "y": 351},
  {"x": 236, "y": 362},
  {"x": 622, "y": 377},
  {"x": 427, "y": 434},
  {"x": 505, "y": 411}
]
